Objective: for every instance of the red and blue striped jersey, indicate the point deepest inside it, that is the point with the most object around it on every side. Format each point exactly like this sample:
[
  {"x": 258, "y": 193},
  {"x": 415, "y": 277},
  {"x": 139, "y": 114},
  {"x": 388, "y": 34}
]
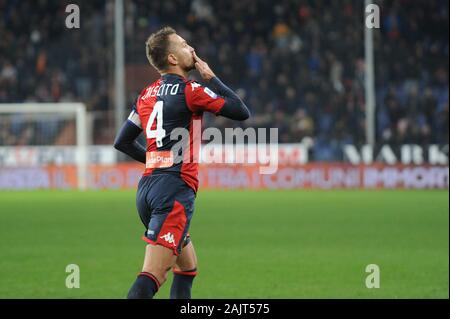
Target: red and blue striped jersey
[{"x": 169, "y": 111}]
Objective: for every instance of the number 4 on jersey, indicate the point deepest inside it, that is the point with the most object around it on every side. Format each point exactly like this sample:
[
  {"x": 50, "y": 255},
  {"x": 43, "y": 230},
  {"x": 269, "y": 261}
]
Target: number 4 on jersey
[{"x": 159, "y": 133}]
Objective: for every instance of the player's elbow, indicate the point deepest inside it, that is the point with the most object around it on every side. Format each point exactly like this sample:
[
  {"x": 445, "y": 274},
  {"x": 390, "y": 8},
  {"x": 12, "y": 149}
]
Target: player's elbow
[
  {"x": 235, "y": 110},
  {"x": 243, "y": 114},
  {"x": 246, "y": 114},
  {"x": 118, "y": 144}
]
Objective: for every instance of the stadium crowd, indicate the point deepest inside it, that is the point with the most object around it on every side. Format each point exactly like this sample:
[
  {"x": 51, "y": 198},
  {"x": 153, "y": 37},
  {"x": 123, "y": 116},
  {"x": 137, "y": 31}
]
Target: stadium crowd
[{"x": 299, "y": 65}]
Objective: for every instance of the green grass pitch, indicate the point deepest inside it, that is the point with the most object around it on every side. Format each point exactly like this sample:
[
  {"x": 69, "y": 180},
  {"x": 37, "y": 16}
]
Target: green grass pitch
[{"x": 250, "y": 244}]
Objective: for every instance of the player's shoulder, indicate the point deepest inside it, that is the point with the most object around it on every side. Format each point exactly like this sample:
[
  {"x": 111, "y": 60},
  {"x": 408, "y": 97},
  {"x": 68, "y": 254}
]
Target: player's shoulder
[
  {"x": 148, "y": 91},
  {"x": 193, "y": 85},
  {"x": 149, "y": 87},
  {"x": 142, "y": 93}
]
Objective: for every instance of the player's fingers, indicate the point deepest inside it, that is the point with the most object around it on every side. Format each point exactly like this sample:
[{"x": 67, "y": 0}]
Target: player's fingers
[
  {"x": 197, "y": 58},
  {"x": 200, "y": 66}
]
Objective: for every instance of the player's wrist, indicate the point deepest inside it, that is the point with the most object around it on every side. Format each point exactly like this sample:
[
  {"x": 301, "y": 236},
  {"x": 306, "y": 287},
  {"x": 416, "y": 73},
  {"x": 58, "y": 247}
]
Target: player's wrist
[
  {"x": 214, "y": 79},
  {"x": 210, "y": 77}
]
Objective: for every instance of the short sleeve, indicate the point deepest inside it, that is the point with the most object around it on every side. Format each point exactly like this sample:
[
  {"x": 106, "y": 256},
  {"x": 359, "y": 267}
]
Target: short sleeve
[{"x": 202, "y": 99}]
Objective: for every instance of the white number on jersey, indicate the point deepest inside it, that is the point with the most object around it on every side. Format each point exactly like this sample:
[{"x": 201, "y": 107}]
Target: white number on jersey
[{"x": 159, "y": 133}]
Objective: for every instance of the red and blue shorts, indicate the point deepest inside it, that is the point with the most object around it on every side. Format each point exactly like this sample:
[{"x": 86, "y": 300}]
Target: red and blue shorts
[{"x": 165, "y": 205}]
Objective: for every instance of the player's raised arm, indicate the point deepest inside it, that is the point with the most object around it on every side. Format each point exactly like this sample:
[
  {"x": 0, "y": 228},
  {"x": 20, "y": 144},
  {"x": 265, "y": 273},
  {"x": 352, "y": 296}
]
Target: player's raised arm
[
  {"x": 126, "y": 138},
  {"x": 232, "y": 107}
]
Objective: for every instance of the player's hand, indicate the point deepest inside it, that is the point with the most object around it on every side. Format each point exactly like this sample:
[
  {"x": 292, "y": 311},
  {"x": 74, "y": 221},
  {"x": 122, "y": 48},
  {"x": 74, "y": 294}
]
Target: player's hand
[{"x": 203, "y": 68}]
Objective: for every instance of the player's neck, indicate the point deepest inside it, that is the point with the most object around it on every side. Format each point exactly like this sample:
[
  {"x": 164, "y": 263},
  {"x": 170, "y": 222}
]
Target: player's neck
[{"x": 177, "y": 71}]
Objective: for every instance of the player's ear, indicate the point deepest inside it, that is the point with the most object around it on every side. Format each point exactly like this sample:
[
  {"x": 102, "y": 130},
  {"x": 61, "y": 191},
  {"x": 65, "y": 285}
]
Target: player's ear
[{"x": 172, "y": 59}]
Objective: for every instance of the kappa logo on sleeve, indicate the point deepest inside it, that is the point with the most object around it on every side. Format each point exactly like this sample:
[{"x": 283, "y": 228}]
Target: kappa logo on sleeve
[
  {"x": 210, "y": 93},
  {"x": 195, "y": 85}
]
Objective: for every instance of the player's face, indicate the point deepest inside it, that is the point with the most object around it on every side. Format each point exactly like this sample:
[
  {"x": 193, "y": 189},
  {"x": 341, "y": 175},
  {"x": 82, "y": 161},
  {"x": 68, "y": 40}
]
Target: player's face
[{"x": 183, "y": 52}]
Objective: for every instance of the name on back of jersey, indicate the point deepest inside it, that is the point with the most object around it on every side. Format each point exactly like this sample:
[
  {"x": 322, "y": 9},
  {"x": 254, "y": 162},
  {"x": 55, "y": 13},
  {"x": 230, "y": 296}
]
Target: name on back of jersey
[{"x": 160, "y": 90}]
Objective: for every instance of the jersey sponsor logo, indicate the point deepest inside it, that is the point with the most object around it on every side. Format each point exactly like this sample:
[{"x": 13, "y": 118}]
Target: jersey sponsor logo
[
  {"x": 210, "y": 93},
  {"x": 169, "y": 238},
  {"x": 159, "y": 159}
]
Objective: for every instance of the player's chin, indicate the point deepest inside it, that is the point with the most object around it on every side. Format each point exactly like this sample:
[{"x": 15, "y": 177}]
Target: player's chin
[{"x": 190, "y": 67}]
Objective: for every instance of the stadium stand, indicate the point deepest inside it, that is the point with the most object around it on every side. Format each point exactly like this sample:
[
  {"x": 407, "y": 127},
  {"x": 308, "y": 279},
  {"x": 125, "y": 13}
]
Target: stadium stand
[{"x": 298, "y": 65}]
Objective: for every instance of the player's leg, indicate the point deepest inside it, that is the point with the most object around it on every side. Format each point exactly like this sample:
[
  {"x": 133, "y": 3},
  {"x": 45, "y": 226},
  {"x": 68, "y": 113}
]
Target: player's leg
[
  {"x": 145, "y": 285},
  {"x": 157, "y": 262},
  {"x": 171, "y": 205},
  {"x": 184, "y": 272},
  {"x": 156, "y": 257}
]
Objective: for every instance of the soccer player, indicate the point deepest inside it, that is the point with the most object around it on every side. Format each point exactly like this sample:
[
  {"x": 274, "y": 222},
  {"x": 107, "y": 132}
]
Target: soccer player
[{"x": 167, "y": 190}]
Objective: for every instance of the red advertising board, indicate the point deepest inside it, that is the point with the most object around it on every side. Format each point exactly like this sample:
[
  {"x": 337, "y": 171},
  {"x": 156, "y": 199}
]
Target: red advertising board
[{"x": 226, "y": 176}]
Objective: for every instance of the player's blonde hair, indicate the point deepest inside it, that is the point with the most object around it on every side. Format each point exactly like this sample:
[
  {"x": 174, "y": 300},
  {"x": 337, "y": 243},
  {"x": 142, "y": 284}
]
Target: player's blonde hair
[{"x": 157, "y": 48}]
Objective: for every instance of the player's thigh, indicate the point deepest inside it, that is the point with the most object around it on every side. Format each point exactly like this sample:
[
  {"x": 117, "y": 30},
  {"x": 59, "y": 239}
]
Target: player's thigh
[
  {"x": 187, "y": 260},
  {"x": 158, "y": 260}
]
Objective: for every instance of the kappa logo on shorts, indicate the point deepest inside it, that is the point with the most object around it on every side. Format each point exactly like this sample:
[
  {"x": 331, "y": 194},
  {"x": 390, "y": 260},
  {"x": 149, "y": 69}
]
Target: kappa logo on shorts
[{"x": 169, "y": 238}]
